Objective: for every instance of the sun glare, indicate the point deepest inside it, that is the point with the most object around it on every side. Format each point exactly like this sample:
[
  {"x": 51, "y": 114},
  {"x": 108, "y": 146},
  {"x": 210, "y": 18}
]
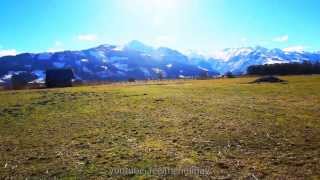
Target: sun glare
[
  {"x": 152, "y": 6},
  {"x": 155, "y": 4},
  {"x": 157, "y": 13}
]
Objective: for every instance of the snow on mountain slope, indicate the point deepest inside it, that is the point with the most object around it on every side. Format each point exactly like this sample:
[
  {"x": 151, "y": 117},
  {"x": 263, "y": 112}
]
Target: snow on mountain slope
[
  {"x": 140, "y": 61},
  {"x": 227, "y": 54},
  {"x": 138, "y": 46}
]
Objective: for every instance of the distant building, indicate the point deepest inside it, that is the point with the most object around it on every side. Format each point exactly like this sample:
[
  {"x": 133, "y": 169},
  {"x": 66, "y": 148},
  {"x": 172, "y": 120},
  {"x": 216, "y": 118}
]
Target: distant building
[{"x": 59, "y": 78}]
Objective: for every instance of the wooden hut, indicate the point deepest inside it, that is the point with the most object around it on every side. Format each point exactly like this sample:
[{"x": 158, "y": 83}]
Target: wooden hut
[{"x": 59, "y": 78}]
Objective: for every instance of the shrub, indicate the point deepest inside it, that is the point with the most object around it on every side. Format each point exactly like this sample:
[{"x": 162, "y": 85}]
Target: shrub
[
  {"x": 20, "y": 81},
  {"x": 131, "y": 80},
  {"x": 229, "y": 75}
]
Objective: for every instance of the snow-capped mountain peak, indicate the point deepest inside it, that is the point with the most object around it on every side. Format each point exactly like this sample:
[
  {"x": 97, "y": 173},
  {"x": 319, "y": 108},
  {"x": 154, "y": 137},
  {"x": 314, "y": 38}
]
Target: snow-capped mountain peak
[
  {"x": 228, "y": 53},
  {"x": 239, "y": 59},
  {"x": 139, "y": 46}
]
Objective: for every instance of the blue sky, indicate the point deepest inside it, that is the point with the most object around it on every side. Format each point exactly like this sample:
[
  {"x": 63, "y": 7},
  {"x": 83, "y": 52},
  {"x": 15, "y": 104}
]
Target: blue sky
[{"x": 205, "y": 25}]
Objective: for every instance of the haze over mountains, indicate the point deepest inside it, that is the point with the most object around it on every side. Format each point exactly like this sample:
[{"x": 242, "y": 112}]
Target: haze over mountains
[{"x": 139, "y": 61}]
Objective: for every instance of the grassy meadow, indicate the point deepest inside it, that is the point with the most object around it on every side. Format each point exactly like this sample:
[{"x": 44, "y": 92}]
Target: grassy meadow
[{"x": 229, "y": 126}]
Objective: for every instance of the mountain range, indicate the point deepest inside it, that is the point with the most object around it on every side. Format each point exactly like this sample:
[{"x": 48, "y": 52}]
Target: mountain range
[{"x": 140, "y": 61}]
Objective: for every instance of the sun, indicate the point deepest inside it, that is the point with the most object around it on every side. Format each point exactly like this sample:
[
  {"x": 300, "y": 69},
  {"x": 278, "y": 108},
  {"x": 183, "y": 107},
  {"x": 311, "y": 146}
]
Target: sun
[
  {"x": 163, "y": 4},
  {"x": 151, "y": 6},
  {"x": 156, "y": 13},
  {"x": 156, "y": 4}
]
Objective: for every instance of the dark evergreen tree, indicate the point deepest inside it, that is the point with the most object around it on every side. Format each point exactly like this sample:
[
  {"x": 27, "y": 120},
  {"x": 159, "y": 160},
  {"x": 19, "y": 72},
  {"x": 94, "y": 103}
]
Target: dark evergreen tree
[{"x": 285, "y": 69}]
